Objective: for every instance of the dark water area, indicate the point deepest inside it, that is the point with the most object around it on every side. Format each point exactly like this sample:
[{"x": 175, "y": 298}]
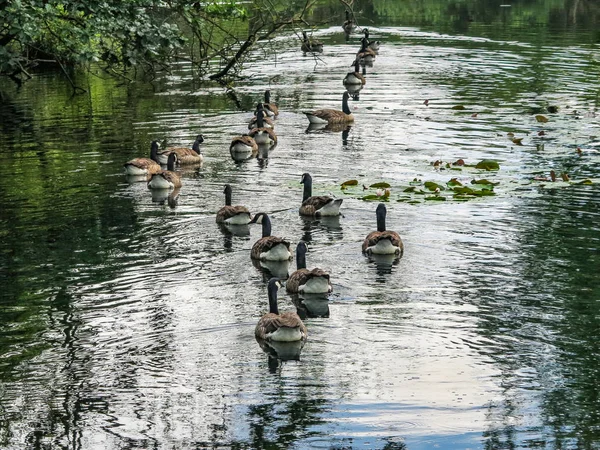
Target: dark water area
[{"x": 128, "y": 317}]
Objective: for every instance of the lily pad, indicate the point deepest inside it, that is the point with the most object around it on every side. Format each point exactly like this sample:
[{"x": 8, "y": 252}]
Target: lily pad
[
  {"x": 488, "y": 164},
  {"x": 432, "y": 186},
  {"x": 349, "y": 183},
  {"x": 383, "y": 184},
  {"x": 438, "y": 198},
  {"x": 485, "y": 181},
  {"x": 454, "y": 182},
  {"x": 541, "y": 119},
  {"x": 458, "y": 107}
]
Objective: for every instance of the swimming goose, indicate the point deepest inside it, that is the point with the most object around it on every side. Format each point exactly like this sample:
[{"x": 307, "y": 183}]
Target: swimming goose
[
  {"x": 270, "y": 248},
  {"x": 271, "y": 109},
  {"x": 166, "y": 179},
  {"x": 318, "y": 205},
  {"x": 262, "y": 134},
  {"x": 315, "y": 281},
  {"x": 373, "y": 45},
  {"x": 284, "y": 327},
  {"x": 348, "y": 24},
  {"x": 232, "y": 215},
  {"x": 243, "y": 144},
  {"x": 268, "y": 123},
  {"x": 184, "y": 155},
  {"x": 382, "y": 242},
  {"x": 310, "y": 45},
  {"x": 144, "y": 166},
  {"x": 365, "y": 55},
  {"x": 332, "y": 115},
  {"x": 355, "y": 78}
]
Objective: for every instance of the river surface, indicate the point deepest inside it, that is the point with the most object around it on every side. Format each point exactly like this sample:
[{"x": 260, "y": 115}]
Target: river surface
[{"x": 128, "y": 319}]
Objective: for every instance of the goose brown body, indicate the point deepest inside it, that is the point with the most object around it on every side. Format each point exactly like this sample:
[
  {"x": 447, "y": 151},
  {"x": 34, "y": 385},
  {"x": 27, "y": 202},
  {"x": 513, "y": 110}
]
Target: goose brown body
[
  {"x": 284, "y": 327},
  {"x": 374, "y": 237},
  {"x": 310, "y": 45},
  {"x": 166, "y": 179},
  {"x": 144, "y": 166},
  {"x": 383, "y": 241},
  {"x": 185, "y": 155},
  {"x": 262, "y": 134},
  {"x": 243, "y": 140},
  {"x": 355, "y": 77},
  {"x": 317, "y": 205},
  {"x": 235, "y": 215},
  {"x": 332, "y": 115},
  {"x": 269, "y": 247},
  {"x": 271, "y": 109},
  {"x": 315, "y": 281}
]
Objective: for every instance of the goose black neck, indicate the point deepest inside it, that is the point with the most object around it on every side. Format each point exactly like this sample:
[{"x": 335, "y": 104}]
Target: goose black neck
[
  {"x": 381, "y": 217},
  {"x": 267, "y": 97},
  {"x": 171, "y": 161},
  {"x": 307, "y": 180},
  {"x": 347, "y": 15},
  {"x": 356, "y": 66},
  {"x": 304, "y": 36},
  {"x": 228, "y": 195},
  {"x": 260, "y": 119},
  {"x": 266, "y": 226},
  {"x": 272, "y": 291},
  {"x": 364, "y": 45},
  {"x": 154, "y": 151},
  {"x": 197, "y": 142},
  {"x": 301, "y": 256},
  {"x": 345, "y": 106}
]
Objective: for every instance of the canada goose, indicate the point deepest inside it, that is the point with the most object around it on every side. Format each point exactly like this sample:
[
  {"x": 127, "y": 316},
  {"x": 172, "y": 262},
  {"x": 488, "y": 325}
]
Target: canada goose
[
  {"x": 166, "y": 179},
  {"x": 262, "y": 134},
  {"x": 355, "y": 78},
  {"x": 284, "y": 327},
  {"x": 373, "y": 45},
  {"x": 232, "y": 215},
  {"x": 271, "y": 109},
  {"x": 268, "y": 123},
  {"x": 317, "y": 205},
  {"x": 382, "y": 242},
  {"x": 365, "y": 55},
  {"x": 269, "y": 247},
  {"x": 243, "y": 144},
  {"x": 310, "y": 45},
  {"x": 315, "y": 281},
  {"x": 144, "y": 166},
  {"x": 332, "y": 115},
  {"x": 348, "y": 24},
  {"x": 184, "y": 155}
]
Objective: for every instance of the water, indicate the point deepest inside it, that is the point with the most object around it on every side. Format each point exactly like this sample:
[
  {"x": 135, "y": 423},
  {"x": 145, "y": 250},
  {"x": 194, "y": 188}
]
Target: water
[{"x": 128, "y": 321}]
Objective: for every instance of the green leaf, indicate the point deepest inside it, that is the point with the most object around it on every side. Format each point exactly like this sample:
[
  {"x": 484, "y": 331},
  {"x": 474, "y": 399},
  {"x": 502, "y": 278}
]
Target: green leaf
[
  {"x": 586, "y": 181},
  {"x": 458, "y": 107},
  {"x": 374, "y": 197},
  {"x": 541, "y": 119},
  {"x": 383, "y": 184},
  {"x": 345, "y": 184},
  {"x": 432, "y": 186},
  {"x": 438, "y": 198},
  {"x": 484, "y": 181},
  {"x": 488, "y": 164},
  {"x": 454, "y": 182}
]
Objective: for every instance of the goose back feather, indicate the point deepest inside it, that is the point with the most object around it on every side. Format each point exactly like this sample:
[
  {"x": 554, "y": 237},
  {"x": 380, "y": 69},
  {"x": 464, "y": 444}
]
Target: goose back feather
[
  {"x": 269, "y": 247},
  {"x": 332, "y": 116},
  {"x": 383, "y": 241}
]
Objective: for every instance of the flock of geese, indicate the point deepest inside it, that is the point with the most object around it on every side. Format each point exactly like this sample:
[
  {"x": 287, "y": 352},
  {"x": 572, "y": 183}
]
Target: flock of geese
[{"x": 288, "y": 326}]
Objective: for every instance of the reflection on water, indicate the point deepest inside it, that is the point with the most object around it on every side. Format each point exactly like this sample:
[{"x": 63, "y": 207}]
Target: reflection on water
[{"x": 127, "y": 323}]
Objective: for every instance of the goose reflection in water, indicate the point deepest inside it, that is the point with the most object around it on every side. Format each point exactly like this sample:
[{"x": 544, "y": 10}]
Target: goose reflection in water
[
  {"x": 270, "y": 269},
  {"x": 165, "y": 195},
  {"x": 231, "y": 231},
  {"x": 384, "y": 264},
  {"x": 311, "y": 305},
  {"x": 330, "y": 224},
  {"x": 280, "y": 352},
  {"x": 263, "y": 154}
]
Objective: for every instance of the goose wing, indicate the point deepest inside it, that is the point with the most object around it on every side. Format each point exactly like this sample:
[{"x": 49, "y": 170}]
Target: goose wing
[
  {"x": 172, "y": 177},
  {"x": 312, "y": 204},
  {"x": 269, "y": 323},
  {"x": 269, "y": 131},
  {"x": 374, "y": 237},
  {"x": 301, "y": 277},
  {"x": 331, "y": 115},
  {"x": 267, "y": 243},
  {"x": 246, "y": 140},
  {"x": 271, "y": 107},
  {"x": 227, "y": 212},
  {"x": 147, "y": 164}
]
